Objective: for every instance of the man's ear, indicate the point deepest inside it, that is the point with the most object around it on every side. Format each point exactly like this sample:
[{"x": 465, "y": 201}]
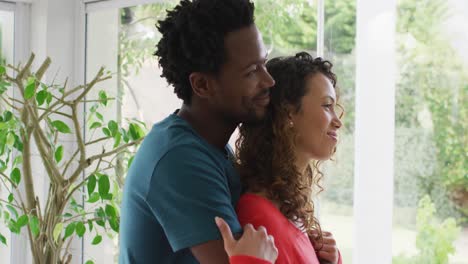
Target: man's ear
[{"x": 202, "y": 85}]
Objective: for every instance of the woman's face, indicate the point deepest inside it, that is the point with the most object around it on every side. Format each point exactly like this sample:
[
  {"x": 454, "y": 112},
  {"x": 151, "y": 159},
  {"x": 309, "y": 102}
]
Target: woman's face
[{"x": 316, "y": 123}]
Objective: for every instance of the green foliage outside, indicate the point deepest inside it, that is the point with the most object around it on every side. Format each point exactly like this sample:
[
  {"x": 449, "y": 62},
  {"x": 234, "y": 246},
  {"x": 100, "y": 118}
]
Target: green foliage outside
[{"x": 434, "y": 240}]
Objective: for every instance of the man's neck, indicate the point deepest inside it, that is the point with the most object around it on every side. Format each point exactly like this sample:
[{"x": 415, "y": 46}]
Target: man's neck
[{"x": 215, "y": 131}]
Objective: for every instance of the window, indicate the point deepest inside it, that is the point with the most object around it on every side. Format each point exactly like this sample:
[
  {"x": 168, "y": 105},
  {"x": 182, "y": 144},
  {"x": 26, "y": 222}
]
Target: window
[
  {"x": 430, "y": 147},
  {"x": 7, "y": 28},
  {"x": 336, "y": 203}
]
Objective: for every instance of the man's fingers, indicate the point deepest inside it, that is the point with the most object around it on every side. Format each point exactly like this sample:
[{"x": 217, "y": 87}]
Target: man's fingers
[
  {"x": 325, "y": 255},
  {"x": 225, "y": 231},
  {"x": 329, "y": 241},
  {"x": 327, "y": 248}
]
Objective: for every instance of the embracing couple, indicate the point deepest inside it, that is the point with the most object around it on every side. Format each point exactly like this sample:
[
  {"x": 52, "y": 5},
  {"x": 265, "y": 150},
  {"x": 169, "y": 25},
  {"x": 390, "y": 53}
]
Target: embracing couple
[{"x": 188, "y": 198}]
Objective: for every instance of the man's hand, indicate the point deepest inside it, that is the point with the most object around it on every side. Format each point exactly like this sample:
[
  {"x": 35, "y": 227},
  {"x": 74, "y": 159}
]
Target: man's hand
[
  {"x": 256, "y": 243},
  {"x": 326, "y": 249}
]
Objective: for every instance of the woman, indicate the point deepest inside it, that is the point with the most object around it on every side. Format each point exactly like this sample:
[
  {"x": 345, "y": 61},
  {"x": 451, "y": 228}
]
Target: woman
[{"x": 275, "y": 157}]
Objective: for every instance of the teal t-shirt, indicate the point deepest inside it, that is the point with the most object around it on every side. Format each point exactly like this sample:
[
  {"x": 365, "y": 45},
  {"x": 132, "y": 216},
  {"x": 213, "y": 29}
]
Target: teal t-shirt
[{"x": 175, "y": 187}]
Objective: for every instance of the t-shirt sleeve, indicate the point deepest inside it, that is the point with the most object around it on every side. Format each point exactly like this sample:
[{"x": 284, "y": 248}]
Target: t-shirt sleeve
[{"x": 188, "y": 189}]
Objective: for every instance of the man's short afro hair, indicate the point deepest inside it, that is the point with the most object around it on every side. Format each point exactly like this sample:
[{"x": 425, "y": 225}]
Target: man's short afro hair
[{"x": 193, "y": 39}]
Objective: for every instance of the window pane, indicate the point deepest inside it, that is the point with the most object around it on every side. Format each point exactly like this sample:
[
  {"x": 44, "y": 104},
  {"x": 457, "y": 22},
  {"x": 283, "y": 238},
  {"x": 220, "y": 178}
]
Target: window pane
[
  {"x": 336, "y": 211},
  {"x": 431, "y": 183},
  {"x": 287, "y": 26},
  {"x": 6, "y": 57}
]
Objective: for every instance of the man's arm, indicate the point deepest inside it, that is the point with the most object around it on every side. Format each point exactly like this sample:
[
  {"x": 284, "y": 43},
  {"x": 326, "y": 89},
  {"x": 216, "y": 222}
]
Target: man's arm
[{"x": 210, "y": 252}]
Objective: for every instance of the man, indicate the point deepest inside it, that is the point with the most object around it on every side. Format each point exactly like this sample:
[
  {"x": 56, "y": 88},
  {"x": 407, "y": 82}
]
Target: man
[{"x": 182, "y": 176}]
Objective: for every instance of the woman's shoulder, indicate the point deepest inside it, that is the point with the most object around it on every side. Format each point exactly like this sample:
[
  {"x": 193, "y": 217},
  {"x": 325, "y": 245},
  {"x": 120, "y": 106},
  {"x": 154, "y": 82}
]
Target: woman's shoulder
[{"x": 258, "y": 210}]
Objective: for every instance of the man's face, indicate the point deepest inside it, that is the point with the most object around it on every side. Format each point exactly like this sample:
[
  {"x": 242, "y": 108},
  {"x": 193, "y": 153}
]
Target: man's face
[{"x": 243, "y": 84}]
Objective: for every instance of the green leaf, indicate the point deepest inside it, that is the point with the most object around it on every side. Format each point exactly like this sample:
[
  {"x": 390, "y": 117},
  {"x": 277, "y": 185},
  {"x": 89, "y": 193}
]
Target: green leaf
[
  {"x": 91, "y": 184},
  {"x": 97, "y": 239},
  {"x": 49, "y": 98},
  {"x": 18, "y": 160},
  {"x": 6, "y": 216},
  {"x": 100, "y": 117},
  {"x": 13, "y": 226},
  {"x": 135, "y": 131},
  {"x": 59, "y": 154},
  {"x": 10, "y": 198},
  {"x": 110, "y": 211},
  {"x": 61, "y": 126},
  {"x": 15, "y": 176},
  {"x": 108, "y": 196},
  {"x": 22, "y": 221},
  {"x": 10, "y": 140},
  {"x": 130, "y": 161},
  {"x": 99, "y": 213},
  {"x": 103, "y": 97},
  {"x": 114, "y": 224},
  {"x": 104, "y": 185},
  {"x": 41, "y": 97},
  {"x": 18, "y": 144},
  {"x": 7, "y": 116},
  {"x": 3, "y": 240},
  {"x": 89, "y": 262},
  {"x": 57, "y": 231},
  {"x": 69, "y": 230},
  {"x": 80, "y": 229},
  {"x": 124, "y": 135},
  {"x": 2, "y": 70},
  {"x": 30, "y": 89},
  {"x": 90, "y": 226},
  {"x": 113, "y": 127},
  {"x": 12, "y": 210},
  {"x": 95, "y": 125},
  {"x": 94, "y": 197},
  {"x": 106, "y": 131},
  {"x": 117, "y": 139},
  {"x": 34, "y": 225}
]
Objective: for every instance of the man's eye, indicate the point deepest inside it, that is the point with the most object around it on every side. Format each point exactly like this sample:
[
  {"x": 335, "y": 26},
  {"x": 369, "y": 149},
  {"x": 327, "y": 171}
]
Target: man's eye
[{"x": 251, "y": 72}]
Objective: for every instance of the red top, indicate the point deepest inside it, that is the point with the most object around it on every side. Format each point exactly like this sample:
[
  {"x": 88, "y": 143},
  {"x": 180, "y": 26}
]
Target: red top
[{"x": 293, "y": 245}]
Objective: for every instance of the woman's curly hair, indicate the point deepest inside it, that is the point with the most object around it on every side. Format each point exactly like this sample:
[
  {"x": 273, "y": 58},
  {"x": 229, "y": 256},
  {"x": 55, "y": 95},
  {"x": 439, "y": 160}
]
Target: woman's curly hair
[
  {"x": 193, "y": 39},
  {"x": 265, "y": 150}
]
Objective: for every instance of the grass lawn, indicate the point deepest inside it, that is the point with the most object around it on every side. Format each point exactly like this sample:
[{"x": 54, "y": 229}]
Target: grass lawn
[{"x": 403, "y": 239}]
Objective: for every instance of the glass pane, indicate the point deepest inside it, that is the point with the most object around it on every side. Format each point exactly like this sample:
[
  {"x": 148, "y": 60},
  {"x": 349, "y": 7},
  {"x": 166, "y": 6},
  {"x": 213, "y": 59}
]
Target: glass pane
[
  {"x": 431, "y": 183},
  {"x": 123, "y": 40},
  {"x": 6, "y": 57},
  {"x": 287, "y": 26},
  {"x": 336, "y": 210}
]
